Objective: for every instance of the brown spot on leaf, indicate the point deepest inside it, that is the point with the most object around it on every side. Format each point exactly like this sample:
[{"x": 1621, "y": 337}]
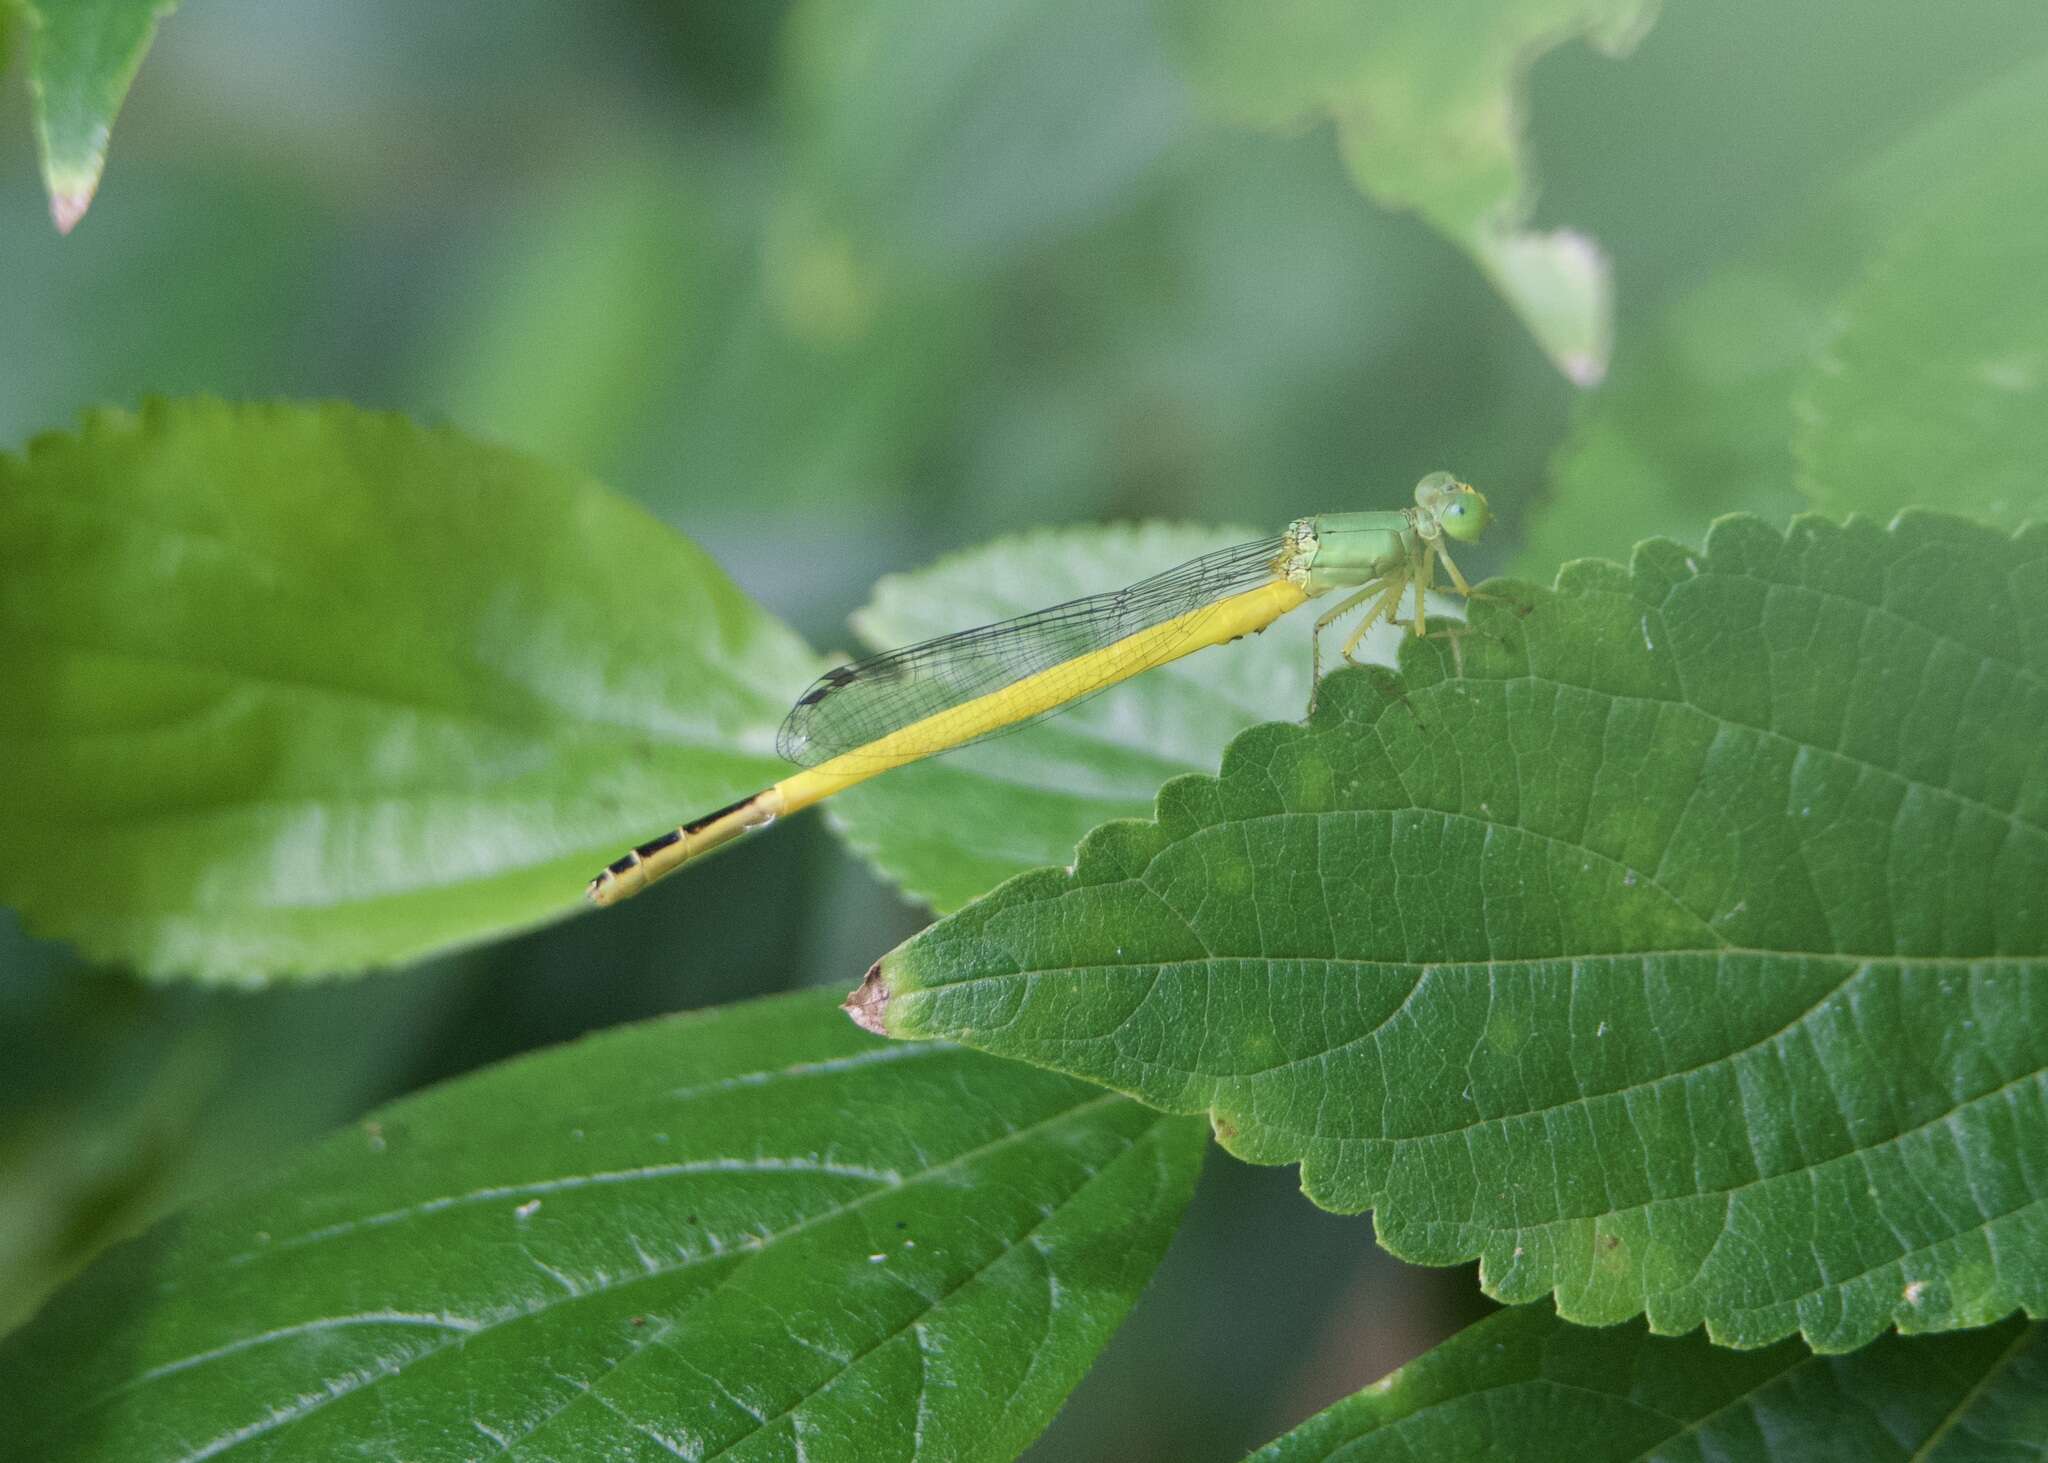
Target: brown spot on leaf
[{"x": 869, "y": 1002}]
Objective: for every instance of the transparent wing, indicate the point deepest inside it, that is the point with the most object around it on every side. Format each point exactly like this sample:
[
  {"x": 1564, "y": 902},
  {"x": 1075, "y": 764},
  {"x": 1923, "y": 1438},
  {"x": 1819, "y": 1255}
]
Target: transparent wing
[{"x": 853, "y": 705}]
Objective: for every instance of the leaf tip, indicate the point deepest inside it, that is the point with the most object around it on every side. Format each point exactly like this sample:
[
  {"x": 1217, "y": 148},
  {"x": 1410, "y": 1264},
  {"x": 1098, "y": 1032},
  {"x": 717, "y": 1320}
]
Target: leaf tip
[
  {"x": 1562, "y": 285},
  {"x": 1584, "y": 369},
  {"x": 68, "y": 206},
  {"x": 868, "y": 1005}
]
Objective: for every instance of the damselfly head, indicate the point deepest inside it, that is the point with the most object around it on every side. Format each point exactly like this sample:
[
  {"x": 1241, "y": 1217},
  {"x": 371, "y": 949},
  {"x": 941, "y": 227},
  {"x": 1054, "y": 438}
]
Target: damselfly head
[{"x": 1459, "y": 508}]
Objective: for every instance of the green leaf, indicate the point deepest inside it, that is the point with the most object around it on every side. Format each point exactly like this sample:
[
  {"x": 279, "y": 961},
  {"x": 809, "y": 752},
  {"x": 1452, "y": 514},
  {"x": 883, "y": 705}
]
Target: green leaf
[
  {"x": 303, "y": 689},
  {"x": 563, "y": 343},
  {"x": 1525, "y": 1385},
  {"x": 1934, "y": 386},
  {"x": 120, "y": 1102},
  {"x": 1682, "y": 956},
  {"x": 557, "y": 339},
  {"x": 1695, "y": 422},
  {"x": 83, "y": 55},
  {"x": 1425, "y": 97},
  {"x": 1709, "y": 408},
  {"x": 941, "y": 136},
  {"x": 952, "y": 828},
  {"x": 754, "y": 1229}
]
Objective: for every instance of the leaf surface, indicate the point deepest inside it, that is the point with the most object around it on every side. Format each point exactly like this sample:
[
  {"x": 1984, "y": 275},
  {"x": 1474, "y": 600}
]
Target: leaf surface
[
  {"x": 1740, "y": 396},
  {"x": 1933, "y": 388},
  {"x": 941, "y": 137},
  {"x": 754, "y": 1233},
  {"x": 305, "y": 689},
  {"x": 1685, "y": 955},
  {"x": 120, "y": 1102},
  {"x": 1526, "y": 1385},
  {"x": 1426, "y": 100}
]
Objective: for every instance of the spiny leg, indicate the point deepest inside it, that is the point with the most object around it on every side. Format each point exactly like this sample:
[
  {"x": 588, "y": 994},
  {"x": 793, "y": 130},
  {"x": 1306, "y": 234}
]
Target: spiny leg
[
  {"x": 1315, "y": 639},
  {"x": 1388, "y": 607},
  {"x": 1439, "y": 552},
  {"x": 1384, "y": 608}
]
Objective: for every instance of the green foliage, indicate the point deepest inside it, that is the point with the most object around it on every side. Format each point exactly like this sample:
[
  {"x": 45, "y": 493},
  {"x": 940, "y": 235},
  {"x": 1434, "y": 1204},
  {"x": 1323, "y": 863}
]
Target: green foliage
[
  {"x": 562, "y": 343},
  {"x": 1615, "y": 960},
  {"x": 1673, "y": 944},
  {"x": 147, "y": 1097},
  {"x": 82, "y": 56},
  {"x": 1425, "y": 99},
  {"x": 1527, "y": 1386},
  {"x": 307, "y": 689},
  {"x": 1878, "y": 351},
  {"x": 1933, "y": 387},
  {"x": 935, "y": 136},
  {"x": 1696, "y": 422},
  {"x": 755, "y": 1229}
]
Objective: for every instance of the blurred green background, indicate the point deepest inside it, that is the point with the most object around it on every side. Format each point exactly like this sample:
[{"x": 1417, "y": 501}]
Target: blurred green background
[{"x": 832, "y": 305}]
